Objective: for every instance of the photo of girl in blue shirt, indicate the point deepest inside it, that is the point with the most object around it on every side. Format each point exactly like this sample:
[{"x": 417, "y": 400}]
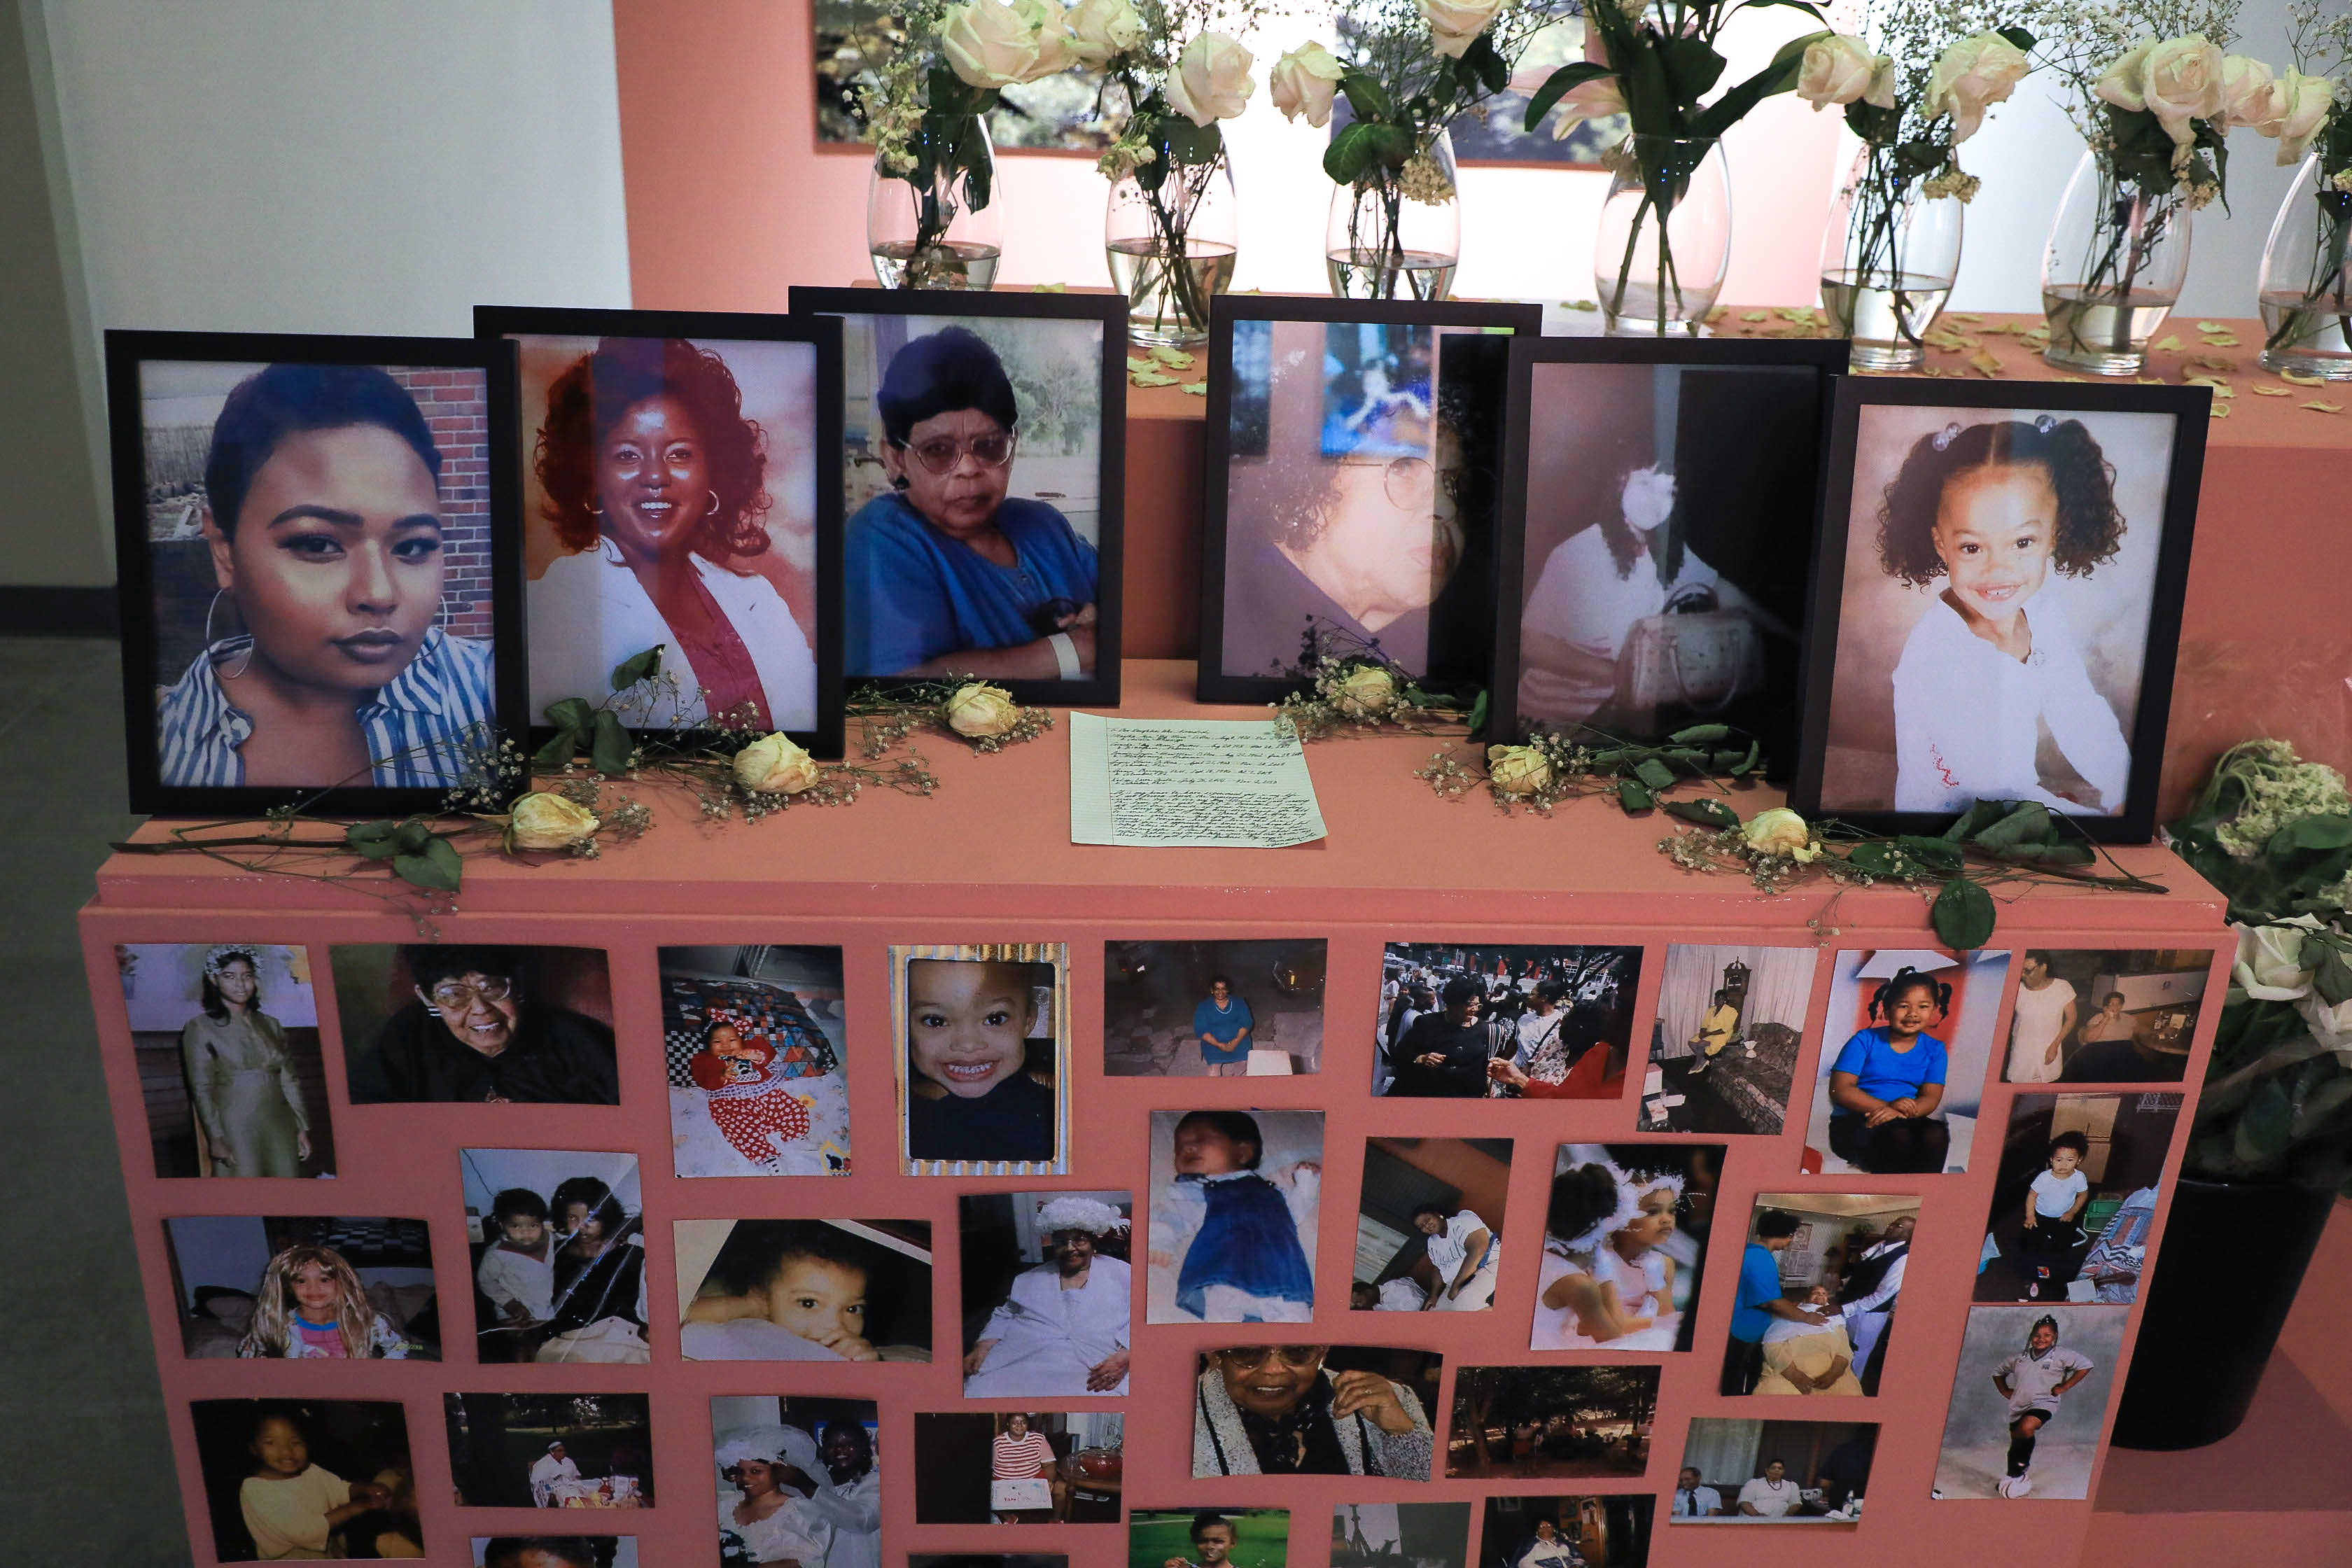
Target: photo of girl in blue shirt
[{"x": 1888, "y": 1081}]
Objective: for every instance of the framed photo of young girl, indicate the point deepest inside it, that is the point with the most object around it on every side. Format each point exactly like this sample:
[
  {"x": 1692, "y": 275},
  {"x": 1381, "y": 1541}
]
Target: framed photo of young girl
[
  {"x": 1353, "y": 446},
  {"x": 1657, "y": 503},
  {"x": 981, "y": 441},
  {"x": 315, "y": 599},
  {"x": 984, "y": 1057},
  {"x": 1996, "y": 602},
  {"x": 675, "y": 491}
]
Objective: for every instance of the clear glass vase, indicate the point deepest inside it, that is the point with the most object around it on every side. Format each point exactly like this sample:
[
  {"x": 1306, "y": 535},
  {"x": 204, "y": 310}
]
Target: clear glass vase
[
  {"x": 1397, "y": 236},
  {"x": 1888, "y": 258},
  {"x": 936, "y": 225},
  {"x": 2118, "y": 255},
  {"x": 1171, "y": 245},
  {"x": 1664, "y": 241},
  {"x": 2306, "y": 292}
]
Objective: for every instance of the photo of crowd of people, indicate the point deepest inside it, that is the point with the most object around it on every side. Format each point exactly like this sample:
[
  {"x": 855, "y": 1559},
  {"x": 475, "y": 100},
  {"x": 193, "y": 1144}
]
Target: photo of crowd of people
[
  {"x": 300, "y": 1286},
  {"x": 1315, "y": 1410},
  {"x": 1048, "y": 1293},
  {"x": 983, "y": 1078},
  {"x": 1208, "y": 1538},
  {"x": 556, "y": 1240},
  {"x": 1625, "y": 1232},
  {"x": 470, "y": 1024},
  {"x": 799, "y": 1480},
  {"x": 551, "y": 1450},
  {"x": 804, "y": 1289},
  {"x": 225, "y": 1038},
  {"x": 2099, "y": 1016},
  {"x": 286, "y": 1479},
  {"x": 2075, "y": 1197},
  {"x": 1401, "y": 1535},
  {"x": 756, "y": 1042},
  {"x": 1572, "y": 1530},
  {"x": 2029, "y": 1401},
  {"x": 1429, "y": 1226},
  {"x": 1233, "y": 1223},
  {"x": 1537, "y": 1422},
  {"x": 1466, "y": 1022},
  {"x": 1904, "y": 1051},
  {"x": 1212, "y": 1009},
  {"x": 1746, "y": 1471},
  {"x": 1019, "y": 1466},
  {"x": 1819, "y": 1283},
  {"x": 1723, "y": 1048}
]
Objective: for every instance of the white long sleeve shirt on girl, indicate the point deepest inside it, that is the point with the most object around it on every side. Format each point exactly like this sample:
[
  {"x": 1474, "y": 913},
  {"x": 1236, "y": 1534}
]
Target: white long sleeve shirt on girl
[{"x": 1968, "y": 717}]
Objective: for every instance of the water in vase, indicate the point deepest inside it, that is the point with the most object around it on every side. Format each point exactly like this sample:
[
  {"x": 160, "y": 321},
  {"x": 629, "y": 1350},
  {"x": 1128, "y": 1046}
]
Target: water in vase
[
  {"x": 1161, "y": 308},
  {"x": 948, "y": 264},
  {"x": 2309, "y": 339},
  {"x": 1885, "y": 325},
  {"x": 2102, "y": 333},
  {"x": 1376, "y": 274}
]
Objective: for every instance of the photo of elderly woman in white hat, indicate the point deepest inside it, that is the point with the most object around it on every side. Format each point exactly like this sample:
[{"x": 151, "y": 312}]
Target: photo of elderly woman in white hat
[{"x": 1061, "y": 1327}]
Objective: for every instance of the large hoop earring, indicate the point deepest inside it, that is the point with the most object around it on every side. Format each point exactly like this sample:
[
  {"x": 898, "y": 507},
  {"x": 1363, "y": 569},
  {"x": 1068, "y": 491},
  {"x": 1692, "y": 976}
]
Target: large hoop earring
[
  {"x": 712, "y": 509},
  {"x": 219, "y": 595}
]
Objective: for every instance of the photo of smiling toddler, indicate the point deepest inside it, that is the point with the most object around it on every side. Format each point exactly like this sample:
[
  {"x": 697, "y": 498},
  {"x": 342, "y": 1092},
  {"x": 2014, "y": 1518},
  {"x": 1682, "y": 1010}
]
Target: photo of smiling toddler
[
  {"x": 982, "y": 1070},
  {"x": 804, "y": 1289}
]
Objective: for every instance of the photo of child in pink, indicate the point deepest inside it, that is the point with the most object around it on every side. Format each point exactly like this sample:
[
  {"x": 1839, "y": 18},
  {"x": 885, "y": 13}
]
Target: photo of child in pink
[{"x": 750, "y": 1102}]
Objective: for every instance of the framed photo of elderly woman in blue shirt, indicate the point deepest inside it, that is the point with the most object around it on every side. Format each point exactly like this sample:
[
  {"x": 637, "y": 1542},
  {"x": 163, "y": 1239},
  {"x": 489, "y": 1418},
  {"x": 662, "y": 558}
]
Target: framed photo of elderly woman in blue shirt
[
  {"x": 311, "y": 600},
  {"x": 980, "y": 450},
  {"x": 675, "y": 491}
]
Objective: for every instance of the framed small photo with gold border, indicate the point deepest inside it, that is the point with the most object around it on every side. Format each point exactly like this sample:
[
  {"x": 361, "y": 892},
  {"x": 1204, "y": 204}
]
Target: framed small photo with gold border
[{"x": 984, "y": 1057}]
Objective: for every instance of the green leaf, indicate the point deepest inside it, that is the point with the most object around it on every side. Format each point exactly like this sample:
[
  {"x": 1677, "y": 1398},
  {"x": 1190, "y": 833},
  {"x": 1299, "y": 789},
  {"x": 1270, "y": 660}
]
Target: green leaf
[
  {"x": 1872, "y": 123},
  {"x": 1556, "y": 87},
  {"x": 1478, "y": 711},
  {"x": 2060, "y": 852},
  {"x": 2333, "y": 978},
  {"x": 1962, "y": 915},
  {"x": 437, "y": 867},
  {"x": 1874, "y": 857},
  {"x": 1482, "y": 60},
  {"x": 1344, "y": 159},
  {"x": 2307, "y": 833},
  {"x": 1367, "y": 96},
  {"x": 1655, "y": 773},
  {"x": 1747, "y": 764},
  {"x": 2028, "y": 824},
  {"x": 636, "y": 668},
  {"x": 1692, "y": 67},
  {"x": 372, "y": 839},
  {"x": 1977, "y": 818},
  {"x": 1707, "y": 812},
  {"x": 2018, "y": 36},
  {"x": 1633, "y": 797},
  {"x": 1699, "y": 735},
  {"x": 412, "y": 838},
  {"x": 1776, "y": 77},
  {"x": 1934, "y": 854},
  {"x": 1189, "y": 143},
  {"x": 1390, "y": 144},
  {"x": 571, "y": 713},
  {"x": 610, "y": 745},
  {"x": 560, "y": 749}
]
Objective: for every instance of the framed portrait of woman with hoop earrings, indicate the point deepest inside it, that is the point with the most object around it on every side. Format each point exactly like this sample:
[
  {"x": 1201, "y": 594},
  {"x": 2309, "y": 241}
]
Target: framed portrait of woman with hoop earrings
[
  {"x": 672, "y": 491},
  {"x": 308, "y": 531}
]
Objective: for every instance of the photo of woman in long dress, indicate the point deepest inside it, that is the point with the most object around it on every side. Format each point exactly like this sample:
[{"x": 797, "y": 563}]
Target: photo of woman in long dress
[
  {"x": 667, "y": 499},
  {"x": 241, "y": 1080}
]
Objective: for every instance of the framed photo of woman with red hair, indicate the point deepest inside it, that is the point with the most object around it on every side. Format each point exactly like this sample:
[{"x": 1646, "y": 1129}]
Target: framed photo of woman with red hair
[{"x": 674, "y": 493}]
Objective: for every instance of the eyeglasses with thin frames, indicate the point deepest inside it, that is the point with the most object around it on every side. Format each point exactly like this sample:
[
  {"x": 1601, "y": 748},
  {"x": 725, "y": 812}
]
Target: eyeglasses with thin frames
[{"x": 940, "y": 454}]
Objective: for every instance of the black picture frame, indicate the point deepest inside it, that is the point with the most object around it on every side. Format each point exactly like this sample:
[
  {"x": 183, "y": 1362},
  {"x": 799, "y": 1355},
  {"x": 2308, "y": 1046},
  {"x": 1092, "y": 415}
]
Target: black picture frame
[
  {"x": 515, "y": 323},
  {"x": 1470, "y": 590},
  {"x": 1099, "y": 689},
  {"x": 1773, "y": 726},
  {"x": 148, "y": 641},
  {"x": 2190, "y": 411}
]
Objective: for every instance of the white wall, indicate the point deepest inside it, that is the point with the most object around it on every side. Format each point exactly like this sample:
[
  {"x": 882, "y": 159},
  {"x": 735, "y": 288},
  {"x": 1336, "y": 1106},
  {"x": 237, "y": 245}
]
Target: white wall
[
  {"x": 2026, "y": 154},
  {"x": 340, "y": 166}
]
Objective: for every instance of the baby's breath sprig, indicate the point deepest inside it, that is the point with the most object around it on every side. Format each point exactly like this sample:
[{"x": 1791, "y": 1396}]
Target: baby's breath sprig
[
  {"x": 982, "y": 716},
  {"x": 1353, "y": 689}
]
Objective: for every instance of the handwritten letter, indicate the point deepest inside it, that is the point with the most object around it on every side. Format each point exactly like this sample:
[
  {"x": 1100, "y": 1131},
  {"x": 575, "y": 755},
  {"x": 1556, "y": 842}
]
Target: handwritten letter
[{"x": 1188, "y": 781}]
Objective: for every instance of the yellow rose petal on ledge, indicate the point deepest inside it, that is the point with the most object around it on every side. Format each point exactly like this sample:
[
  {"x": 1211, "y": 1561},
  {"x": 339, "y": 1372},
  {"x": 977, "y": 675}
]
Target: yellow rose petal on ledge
[
  {"x": 2075, "y": 379},
  {"x": 2325, "y": 408},
  {"x": 2220, "y": 343},
  {"x": 2213, "y": 326},
  {"x": 1985, "y": 363},
  {"x": 1151, "y": 378},
  {"x": 2300, "y": 379},
  {"x": 1176, "y": 358},
  {"x": 1595, "y": 305},
  {"x": 1971, "y": 316},
  {"x": 1049, "y": 288},
  {"x": 2261, "y": 390},
  {"x": 1138, "y": 365},
  {"x": 2167, "y": 343},
  {"x": 2217, "y": 388},
  {"x": 1717, "y": 314},
  {"x": 1197, "y": 388},
  {"x": 2219, "y": 411},
  {"x": 1755, "y": 315},
  {"x": 2149, "y": 380}
]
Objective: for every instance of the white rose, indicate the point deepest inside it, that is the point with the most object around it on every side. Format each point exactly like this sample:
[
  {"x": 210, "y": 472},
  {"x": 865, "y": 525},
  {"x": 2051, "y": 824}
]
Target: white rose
[
  {"x": 1212, "y": 81},
  {"x": 1101, "y": 28},
  {"x": 1367, "y": 692},
  {"x": 2182, "y": 82},
  {"x": 2245, "y": 90},
  {"x": 1779, "y": 831},
  {"x": 1880, "y": 94},
  {"x": 1304, "y": 81},
  {"x": 1973, "y": 75},
  {"x": 1047, "y": 22},
  {"x": 1518, "y": 770},
  {"x": 978, "y": 711},
  {"x": 1596, "y": 98},
  {"x": 1838, "y": 69},
  {"x": 987, "y": 43},
  {"x": 1454, "y": 25},
  {"x": 2119, "y": 84},
  {"x": 545, "y": 821},
  {"x": 773, "y": 766},
  {"x": 2269, "y": 966},
  {"x": 2297, "y": 108},
  {"x": 2331, "y": 1027}
]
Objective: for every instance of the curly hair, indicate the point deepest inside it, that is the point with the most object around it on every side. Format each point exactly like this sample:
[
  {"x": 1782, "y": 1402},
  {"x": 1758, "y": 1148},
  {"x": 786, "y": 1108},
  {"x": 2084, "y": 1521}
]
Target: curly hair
[
  {"x": 592, "y": 395},
  {"x": 272, "y": 1331},
  {"x": 2090, "y": 530}
]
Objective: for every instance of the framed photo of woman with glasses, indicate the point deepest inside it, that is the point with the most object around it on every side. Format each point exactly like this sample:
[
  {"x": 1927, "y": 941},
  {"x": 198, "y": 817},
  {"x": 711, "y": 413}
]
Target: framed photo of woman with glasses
[
  {"x": 1353, "y": 446},
  {"x": 306, "y": 529},
  {"x": 674, "y": 492},
  {"x": 980, "y": 447}
]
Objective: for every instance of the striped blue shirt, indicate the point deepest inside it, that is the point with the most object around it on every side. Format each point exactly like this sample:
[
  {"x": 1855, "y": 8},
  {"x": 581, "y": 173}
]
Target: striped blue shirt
[{"x": 424, "y": 727}]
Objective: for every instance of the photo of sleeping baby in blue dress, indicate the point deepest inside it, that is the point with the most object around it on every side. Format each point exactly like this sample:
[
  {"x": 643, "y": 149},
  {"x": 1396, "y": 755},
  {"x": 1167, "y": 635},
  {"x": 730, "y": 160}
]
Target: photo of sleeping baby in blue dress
[
  {"x": 1231, "y": 1233},
  {"x": 1995, "y": 614}
]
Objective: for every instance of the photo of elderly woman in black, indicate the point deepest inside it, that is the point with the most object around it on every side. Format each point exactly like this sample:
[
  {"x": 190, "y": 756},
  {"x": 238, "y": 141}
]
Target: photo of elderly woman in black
[
  {"x": 474, "y": 1034},
  {"x": 946, "y": 573},
  {"x": 660, "y": 487},
  {"x": 242, "y": 1084},
  {"x": 1267, "y": 1410},
  {"x": 600, "y": 1277}
]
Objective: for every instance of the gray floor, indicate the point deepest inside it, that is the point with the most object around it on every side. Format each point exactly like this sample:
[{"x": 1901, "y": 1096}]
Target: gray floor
[{"x": 85, "y": 1466}]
